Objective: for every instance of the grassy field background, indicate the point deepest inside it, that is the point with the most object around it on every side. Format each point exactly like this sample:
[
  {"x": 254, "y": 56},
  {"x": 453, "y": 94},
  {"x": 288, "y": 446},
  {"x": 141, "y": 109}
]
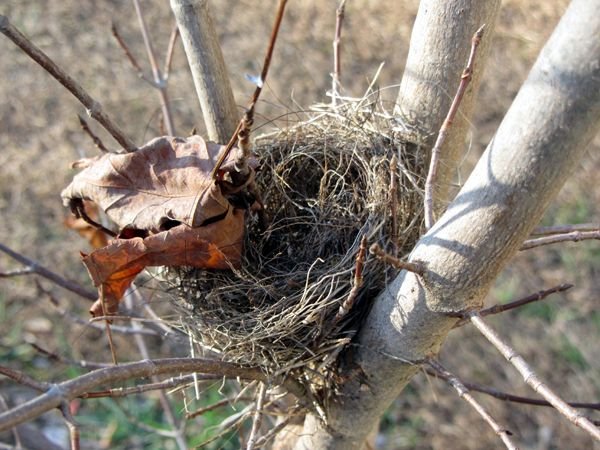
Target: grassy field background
[{"x": 40, "y": 136}]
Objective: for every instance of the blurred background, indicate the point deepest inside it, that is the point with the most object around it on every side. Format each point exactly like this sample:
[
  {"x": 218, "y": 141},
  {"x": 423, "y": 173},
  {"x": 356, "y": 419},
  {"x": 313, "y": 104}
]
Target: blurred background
[{"x": 40, "y": 136}]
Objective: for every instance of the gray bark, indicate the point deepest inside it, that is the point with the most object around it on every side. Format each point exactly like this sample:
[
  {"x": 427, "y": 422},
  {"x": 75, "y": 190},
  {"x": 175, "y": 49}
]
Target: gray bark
[
  {"x": 439, "y": 48},
  {"x": 537, "y": 146},
  {"x": 208, "y": 68}
]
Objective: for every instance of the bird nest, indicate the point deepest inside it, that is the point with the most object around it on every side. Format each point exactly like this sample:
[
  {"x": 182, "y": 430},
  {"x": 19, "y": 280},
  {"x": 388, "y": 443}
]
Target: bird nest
[{"x": 325, "y": 184}]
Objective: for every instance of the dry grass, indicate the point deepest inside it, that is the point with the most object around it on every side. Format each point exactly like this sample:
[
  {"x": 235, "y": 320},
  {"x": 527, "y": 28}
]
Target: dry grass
[{"x": 39, "y": 136}]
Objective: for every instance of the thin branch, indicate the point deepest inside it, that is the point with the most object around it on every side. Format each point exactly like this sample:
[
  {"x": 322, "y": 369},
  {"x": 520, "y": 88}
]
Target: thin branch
[
  {"x": 533, "y": 380},
  {"x": 277, "y": 428},
  {"x": 219, "y": 404},
  {"x": 436, "y": 151},
  {"x": 23, "y": 379},
  {"x": 563, "y": 229},
  {"x": 505, "y": 396},
  {"x": 158, "y": 78},
  {"x": 337, "y": 64},
  {"x": 17, "y": 273},
  {"x": 463, "y": 392},
  {"x": 346, "y": 306},
  {"x": 166, "y": 405},
  {"x": 500, "y": 308},
  {"x": 393, "y": 198},
  {"x": 70, "y": 389},
  {"x": 97, "y": 142},
  {"x": 94, "y": 109},
  {"x": 574, "y": 236},
  {"x": 15, "y": 430},
  {"x": 49, "y": 275},
  {"x": 174, "y": 382},
  {"x": 417, "y": 268},
  {"x": 140, "y": 72},
  {"x": 257, "y": 419},
  {"x": 72, "y": 425},
  {"x": 248, "y": 118},
  {"x": 170, "y": 52}
]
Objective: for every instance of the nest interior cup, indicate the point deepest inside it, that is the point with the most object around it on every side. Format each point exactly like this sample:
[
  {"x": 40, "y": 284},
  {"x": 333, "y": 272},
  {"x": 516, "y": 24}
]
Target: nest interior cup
[{"x": 325, "y": 183}]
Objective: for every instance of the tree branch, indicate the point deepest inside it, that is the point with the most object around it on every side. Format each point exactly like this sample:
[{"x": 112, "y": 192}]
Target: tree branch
[
  {"x": 94, "y": 109},
  {"x": 553, "y": 118},
  {"x": 533, "y": 380},
  {"x": 76, "y": 387},
  {"x": 463, "y": 392},
  {"x": 573, "y": 236},
  {"x": 208, "y": 69}
]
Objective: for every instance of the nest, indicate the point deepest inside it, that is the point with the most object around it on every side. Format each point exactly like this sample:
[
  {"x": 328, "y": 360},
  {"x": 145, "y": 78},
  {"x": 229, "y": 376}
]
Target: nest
[{"x": 325, "y": 184}]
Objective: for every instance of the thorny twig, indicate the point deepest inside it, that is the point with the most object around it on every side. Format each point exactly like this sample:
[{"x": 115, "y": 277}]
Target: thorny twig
[
  {"x": 337, "y": 64},
  {"x": 505, "y": 396},
  {"x": 573, "y": 236},
  {"x": 532, "y": 379},
  {"x": 94, "y": 109},
  {"x": 465, "y": 78},
  {"x": 346, "y": 306},
  {"x": 463, "y": 392},
  {"x": 417, "y": 268},
  {"x": 246, "y": 122},
  {"x": 500, "y": 308},
  {"x": 97, "y": 142},
  {"x": 257, "y": 418}
]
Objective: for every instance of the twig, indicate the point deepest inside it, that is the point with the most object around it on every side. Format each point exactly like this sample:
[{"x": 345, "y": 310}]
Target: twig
[
  {"x": 70, "y": 389},
  {"x": 346, "y": 306},
  {"x": 277, "y": 428},
  {"x": 94, "y": 109},
  {"x": 220, "y": 403},
  {"x": 532, "y": 379},
  {"x": 17, "y": 273},
  {"x": 505, "y": 396},
  {"x": 500, "y": 308},
  {"x": 78, "y": 209},
  {"x": 159, "y": 81},
  {"x": 97, "y": 142},
  {"x": 574, "y": 236},
  {"x": 463, "y": 392},
  {"x": 115, "y": 32},
  {"x": 170, "y": 52},
  {"x": 174, "y": 382},
  {"x": 337, "y": 70},
  {"x": 436, "y": 151},
  {"x": 73, "y": 362},
  {"x": 49, "y": 275},
  {"x": 417, "y": 268},
  {"x": 257, "y": 419},
  {"x": 563, "y": 229},
  {"x": 74, "y": 436},
  {"x": 24, "y": 379},
  {"x": 393, "y": 198},
  {"x": 166, "y": 405},
  {"x": 248, "y": 118}
]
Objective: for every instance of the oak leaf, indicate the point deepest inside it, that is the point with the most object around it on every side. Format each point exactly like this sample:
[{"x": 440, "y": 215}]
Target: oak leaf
[{"x": 168, "y": 208}]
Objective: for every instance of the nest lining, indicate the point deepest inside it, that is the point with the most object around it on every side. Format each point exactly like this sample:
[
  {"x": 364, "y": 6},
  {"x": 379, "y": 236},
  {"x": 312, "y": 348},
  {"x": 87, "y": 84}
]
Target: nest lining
[{"x": 325, "y": 183}]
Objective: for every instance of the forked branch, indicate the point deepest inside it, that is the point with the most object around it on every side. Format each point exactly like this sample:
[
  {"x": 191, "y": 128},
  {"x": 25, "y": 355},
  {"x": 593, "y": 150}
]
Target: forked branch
[
  {"x": 94, "y": 109},
  {"x": 533, "y": 380},
  {"x": 463, "y": 392}
]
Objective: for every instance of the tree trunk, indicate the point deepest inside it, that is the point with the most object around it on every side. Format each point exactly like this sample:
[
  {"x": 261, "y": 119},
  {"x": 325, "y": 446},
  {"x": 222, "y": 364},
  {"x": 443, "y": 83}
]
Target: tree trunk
[
  {"x": 538, "y": 144},
  {"x": 439, "y": 48},
  {"x": 208, "y": 68}
]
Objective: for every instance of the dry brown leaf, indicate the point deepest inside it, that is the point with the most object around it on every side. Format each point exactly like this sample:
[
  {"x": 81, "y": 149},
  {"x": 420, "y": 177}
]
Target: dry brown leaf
[
  {"x": 114, "y": 267},
  {"x": 169, "y": 210},
  {"x": 166, "y": 180}
]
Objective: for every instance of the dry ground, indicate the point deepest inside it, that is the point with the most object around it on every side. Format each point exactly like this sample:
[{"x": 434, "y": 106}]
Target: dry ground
[{"x": 39, "y": 136}]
